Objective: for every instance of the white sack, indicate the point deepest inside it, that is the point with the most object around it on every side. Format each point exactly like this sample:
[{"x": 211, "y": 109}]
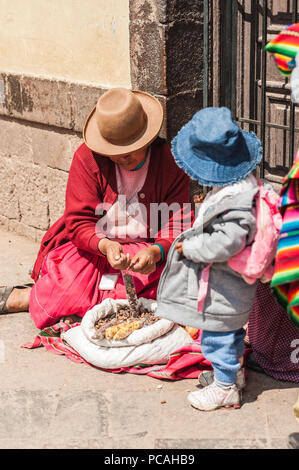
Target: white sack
[
  {"x": 155, "y": 352},
  {"x": 137, "y": 337}
]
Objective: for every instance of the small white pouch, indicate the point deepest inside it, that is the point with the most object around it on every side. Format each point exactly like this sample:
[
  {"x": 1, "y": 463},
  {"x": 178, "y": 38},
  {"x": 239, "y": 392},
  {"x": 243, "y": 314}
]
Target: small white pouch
[{"x": 108, "y": 281}]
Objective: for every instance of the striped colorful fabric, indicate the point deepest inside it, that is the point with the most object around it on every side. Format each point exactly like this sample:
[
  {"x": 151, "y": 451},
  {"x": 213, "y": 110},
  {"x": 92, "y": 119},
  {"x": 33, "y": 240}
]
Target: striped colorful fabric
[
  {"x": 284, "y": 48},
  {"x": 285, "y": 64},
  {"x": 285, "y": 281},
  {"x": 186, "y": 362},
  {"x": 294, "y": 171}
]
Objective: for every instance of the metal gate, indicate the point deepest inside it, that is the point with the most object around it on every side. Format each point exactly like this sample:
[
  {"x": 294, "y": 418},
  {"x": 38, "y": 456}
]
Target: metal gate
[{"x": 239, "y": 74}]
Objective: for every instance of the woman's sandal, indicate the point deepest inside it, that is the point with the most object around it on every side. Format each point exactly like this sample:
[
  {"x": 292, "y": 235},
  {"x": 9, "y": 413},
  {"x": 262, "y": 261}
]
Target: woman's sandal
[{"x": 5, "y": 293}]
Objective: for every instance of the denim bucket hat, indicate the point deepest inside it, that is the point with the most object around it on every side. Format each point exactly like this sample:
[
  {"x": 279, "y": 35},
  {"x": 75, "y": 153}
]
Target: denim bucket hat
[{"x": 212, "y": 149}]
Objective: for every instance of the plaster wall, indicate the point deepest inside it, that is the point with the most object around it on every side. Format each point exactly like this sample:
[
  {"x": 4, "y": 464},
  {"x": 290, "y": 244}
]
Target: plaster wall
[{"x": 73, "y": 40}]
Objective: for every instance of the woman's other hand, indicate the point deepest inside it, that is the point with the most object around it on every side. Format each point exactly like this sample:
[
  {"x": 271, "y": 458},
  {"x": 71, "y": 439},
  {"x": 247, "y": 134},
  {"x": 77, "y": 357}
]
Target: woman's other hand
[
  {"x": 114, "y": 253},
  {"x": 144, "y": 262},
  {"x": 179, "y": 247}
]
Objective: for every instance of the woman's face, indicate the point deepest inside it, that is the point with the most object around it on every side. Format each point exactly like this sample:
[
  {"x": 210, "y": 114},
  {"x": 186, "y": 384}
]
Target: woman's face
[{"x": 130, "y": 161}]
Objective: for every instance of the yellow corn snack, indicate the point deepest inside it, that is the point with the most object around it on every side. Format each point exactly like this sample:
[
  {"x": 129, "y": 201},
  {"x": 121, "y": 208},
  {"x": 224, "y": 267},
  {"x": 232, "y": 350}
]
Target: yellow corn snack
[
  {"x": 111, "y": 331},
  {"x": 126, "y": 329},
  {"x": 122, "y": 330}
]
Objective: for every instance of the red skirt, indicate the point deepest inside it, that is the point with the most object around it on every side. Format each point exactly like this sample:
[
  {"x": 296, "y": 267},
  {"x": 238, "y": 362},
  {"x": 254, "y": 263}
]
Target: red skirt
[{"x": 69, "y": 283}]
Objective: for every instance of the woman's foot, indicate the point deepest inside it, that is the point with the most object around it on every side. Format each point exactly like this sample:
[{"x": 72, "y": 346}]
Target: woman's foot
[
  {"x": 70, "y": 319},
  {"x": 18, "y": 300}
]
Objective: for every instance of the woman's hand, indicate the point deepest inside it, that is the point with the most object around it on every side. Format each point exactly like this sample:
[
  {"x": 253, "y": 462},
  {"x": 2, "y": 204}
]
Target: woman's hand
[
  {"x": 114, "y": 253},
  {"x": 179, "y": 247},
  {"x": 144, "y": 262}
]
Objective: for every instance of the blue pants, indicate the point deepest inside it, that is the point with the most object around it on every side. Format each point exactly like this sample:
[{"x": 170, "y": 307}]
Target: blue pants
[{"x": 223, "y": 350}]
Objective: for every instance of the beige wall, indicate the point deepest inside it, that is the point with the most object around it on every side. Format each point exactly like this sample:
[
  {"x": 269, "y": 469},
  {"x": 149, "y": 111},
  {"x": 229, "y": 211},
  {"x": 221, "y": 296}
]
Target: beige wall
[{"x": 85, "y": 41}]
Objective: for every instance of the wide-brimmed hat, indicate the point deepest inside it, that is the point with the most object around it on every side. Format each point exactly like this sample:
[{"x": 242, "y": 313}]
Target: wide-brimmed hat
[
  {"x": 123, "y": 121},
  {"x": 212, "y": 149}
]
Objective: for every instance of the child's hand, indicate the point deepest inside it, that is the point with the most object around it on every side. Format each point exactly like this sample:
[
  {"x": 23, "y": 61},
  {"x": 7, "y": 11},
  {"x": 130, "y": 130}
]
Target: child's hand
[{"x": 179, "y": 247}]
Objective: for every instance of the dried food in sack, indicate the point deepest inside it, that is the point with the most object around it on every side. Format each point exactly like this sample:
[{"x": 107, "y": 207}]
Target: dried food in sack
[
  {"x": 112, "y": 312},
  {"x": 120, "y": 323}
]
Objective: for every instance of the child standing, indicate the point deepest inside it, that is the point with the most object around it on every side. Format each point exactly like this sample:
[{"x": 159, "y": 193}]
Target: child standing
[{"x": 197, "y": 287}]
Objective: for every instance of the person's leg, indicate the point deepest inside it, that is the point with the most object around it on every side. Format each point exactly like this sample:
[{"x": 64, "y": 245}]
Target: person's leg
[
  {"x": 207, "y": 377},
  {"x": 222, "y": 350},
  {"x": 18, "y": 300}
]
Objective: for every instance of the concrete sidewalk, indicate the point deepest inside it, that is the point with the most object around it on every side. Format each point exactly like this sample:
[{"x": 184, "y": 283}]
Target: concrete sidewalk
[{"x": 47, "y": 401}]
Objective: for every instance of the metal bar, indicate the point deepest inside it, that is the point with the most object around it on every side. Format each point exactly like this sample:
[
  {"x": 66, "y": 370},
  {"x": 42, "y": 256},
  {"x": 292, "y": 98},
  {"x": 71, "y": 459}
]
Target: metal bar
[
  {"x": 227, "y": 54},
  {"x": 263, "y": 88},
  {"x": 206, "y": 53},
  {"x": 267, "y": 124},
  {"x": 234, "y": 51},
  {"x": 292, "y": 106},
  {"x": 253, "y": 71}
]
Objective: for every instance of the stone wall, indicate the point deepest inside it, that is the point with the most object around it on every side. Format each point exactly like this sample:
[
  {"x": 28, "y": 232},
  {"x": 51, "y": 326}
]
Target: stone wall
[
  {"x": 41, "y": 117},
  {"x": 166, "y": 39}
]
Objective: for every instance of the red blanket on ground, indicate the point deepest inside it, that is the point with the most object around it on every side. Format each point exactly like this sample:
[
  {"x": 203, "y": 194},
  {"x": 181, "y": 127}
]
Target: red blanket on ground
[{"x": 184, "y": 363}]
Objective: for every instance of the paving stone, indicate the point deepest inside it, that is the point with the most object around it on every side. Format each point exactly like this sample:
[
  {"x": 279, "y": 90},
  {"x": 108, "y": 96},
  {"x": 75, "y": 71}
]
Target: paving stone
[
  {"x": 47, "y": 401},
  {"x": 46, "y": 442},
  {"x": 279, "y": 412},
  {"x": 142, "y": 440},
  {"x": 211, "y": 444},
  {"x": 279, "y": 443},
  {"x": 218, "y": 424},
  {"x": 85, "y": 411},
  {"x": 23, "y": 413},
  {"x": 133, "y": 412}
]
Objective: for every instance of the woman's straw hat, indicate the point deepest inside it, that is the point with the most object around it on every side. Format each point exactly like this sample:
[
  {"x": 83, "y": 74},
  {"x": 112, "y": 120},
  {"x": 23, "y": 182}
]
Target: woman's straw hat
[{"x": 123, "y": 121}]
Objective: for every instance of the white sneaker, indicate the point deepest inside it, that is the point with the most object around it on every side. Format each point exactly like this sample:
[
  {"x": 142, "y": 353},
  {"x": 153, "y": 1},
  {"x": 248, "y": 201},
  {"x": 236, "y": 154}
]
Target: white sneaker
[
  {"x": 212, "y": 397},
  {"x": 207, "y": 377}
]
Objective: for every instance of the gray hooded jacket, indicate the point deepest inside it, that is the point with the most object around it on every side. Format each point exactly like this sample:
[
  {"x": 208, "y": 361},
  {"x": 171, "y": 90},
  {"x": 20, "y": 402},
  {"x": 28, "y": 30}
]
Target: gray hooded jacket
[{"x": 227, "y": 227}]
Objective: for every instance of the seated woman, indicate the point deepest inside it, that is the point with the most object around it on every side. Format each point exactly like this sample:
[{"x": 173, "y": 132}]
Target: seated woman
[{"x": 126, "y": 201}]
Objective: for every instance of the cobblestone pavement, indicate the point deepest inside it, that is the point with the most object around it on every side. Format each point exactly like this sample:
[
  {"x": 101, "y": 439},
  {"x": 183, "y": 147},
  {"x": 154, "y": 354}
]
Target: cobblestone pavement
[{"x": 47, "y": 401}]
